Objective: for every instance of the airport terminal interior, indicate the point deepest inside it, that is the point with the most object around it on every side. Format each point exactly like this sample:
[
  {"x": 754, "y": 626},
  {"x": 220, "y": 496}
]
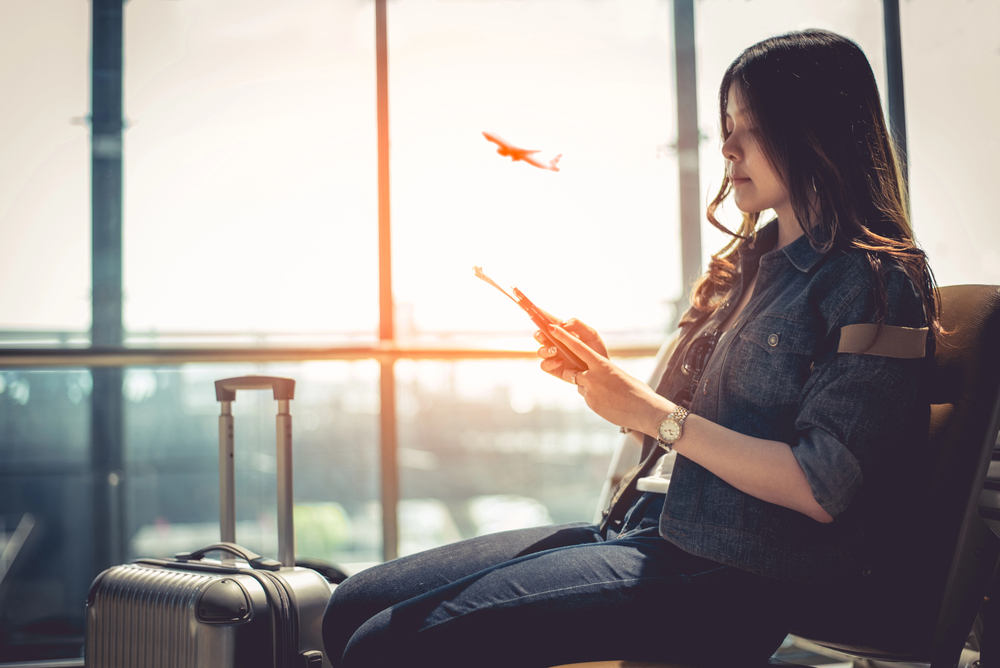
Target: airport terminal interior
[{"x": 193, "y": 190}]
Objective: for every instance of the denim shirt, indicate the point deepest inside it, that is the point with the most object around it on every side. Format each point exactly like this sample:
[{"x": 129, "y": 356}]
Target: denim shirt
[{"x": 776, "y": 374}]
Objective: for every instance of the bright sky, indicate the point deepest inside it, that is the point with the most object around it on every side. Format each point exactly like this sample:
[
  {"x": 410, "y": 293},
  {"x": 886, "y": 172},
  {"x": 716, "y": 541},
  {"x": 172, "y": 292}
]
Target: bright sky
[{"x": 250, "y": 187}]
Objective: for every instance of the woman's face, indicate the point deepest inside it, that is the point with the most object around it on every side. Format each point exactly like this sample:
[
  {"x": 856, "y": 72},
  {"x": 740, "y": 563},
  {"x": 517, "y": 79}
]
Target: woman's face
[{"x": 756, "y": 186}]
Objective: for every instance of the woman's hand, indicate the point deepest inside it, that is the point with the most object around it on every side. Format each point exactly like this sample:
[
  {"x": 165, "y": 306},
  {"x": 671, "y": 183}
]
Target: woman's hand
[
  {"x": 552, "y": 361},
  {"x": 610, "y": 392}
]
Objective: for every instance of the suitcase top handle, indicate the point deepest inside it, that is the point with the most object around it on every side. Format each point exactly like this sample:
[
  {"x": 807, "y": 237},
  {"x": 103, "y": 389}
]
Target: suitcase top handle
[
  {"x": 255, "y": 560},
  {"x": 284, "y": 388}
]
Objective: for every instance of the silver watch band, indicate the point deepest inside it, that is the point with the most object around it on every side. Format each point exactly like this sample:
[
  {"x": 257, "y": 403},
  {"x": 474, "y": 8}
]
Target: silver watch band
[{"x": 678, "y": 415}]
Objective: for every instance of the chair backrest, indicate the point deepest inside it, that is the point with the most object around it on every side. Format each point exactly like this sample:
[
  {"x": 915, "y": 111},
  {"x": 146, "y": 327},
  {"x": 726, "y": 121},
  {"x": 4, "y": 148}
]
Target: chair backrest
[{"x": 953, "y": 552}]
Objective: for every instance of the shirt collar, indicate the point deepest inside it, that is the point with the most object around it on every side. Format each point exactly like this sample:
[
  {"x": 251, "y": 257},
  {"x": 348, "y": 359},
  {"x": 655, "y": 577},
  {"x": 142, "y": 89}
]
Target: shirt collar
[
  {"x": 760, "y": 244},
  {"x": 800, "y": 252},
  {"x": 802, "y": 255}
]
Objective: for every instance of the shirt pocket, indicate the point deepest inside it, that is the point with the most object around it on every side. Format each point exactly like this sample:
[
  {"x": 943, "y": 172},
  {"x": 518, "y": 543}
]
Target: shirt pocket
[{"x": 771, "y": 361}]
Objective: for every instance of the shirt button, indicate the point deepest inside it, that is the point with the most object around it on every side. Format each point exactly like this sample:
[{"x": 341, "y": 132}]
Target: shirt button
[{"x": 772, "y": 340}]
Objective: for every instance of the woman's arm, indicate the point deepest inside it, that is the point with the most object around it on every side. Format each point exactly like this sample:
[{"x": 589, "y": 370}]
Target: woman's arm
[{"x": 765, "y": 469}]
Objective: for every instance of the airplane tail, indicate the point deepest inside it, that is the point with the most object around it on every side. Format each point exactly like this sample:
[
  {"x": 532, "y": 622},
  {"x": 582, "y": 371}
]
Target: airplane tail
[{"x": 553, "y": 164}]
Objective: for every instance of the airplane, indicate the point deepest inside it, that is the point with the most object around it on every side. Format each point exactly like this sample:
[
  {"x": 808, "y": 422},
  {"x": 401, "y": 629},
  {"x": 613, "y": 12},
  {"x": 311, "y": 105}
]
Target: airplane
[{"x": 515, "y": 153}]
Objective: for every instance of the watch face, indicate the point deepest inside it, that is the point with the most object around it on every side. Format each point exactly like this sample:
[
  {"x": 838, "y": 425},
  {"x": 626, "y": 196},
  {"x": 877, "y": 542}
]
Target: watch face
[{"x": 670, "y": 431}]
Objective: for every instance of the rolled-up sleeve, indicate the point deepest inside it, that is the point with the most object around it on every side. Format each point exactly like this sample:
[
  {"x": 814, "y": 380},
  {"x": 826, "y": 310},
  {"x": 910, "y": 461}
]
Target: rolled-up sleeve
[{"x": 857, "y": 408}]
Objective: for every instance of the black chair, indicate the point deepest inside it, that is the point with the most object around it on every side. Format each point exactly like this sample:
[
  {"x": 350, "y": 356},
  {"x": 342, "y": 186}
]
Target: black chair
[{"x": 949, "y": 553}]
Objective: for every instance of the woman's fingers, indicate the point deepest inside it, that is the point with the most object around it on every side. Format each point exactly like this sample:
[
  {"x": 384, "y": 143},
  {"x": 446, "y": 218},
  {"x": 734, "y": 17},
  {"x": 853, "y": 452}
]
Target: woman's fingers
[
  {"x": 547, "y": 352},
  {"x": 553, "y": 367},
  {"x": 609, "y": 392},
  {"x": 579, "y": 334},
  {"x": 590, "y": 358},
  {"x": 551, "y": 362},
  {"x": 587, "y": 334},
  {"x": 581, "y": 349},
  {"x": 578, "y": 328}
]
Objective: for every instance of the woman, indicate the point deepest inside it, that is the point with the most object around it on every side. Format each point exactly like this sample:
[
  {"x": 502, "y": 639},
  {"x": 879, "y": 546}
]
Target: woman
[{"x": 785, "y": 405}]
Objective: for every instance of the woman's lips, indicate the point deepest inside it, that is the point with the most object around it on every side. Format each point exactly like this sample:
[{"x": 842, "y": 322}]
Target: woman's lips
[{"x": 739, "y": 180}]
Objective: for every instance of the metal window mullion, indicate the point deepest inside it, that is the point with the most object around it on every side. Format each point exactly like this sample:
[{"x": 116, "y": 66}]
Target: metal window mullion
[
  {"x": 107, "y": 421},
  {"x": 389, "y": 475},
  {"x": 894, "y": 84},
  {"x": 688, "y": 140}
]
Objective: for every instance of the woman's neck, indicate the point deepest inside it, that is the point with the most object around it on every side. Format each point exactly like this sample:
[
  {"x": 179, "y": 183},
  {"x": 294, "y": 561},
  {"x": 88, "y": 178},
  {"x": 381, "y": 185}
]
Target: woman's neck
[{"x": 788, "y": 226}]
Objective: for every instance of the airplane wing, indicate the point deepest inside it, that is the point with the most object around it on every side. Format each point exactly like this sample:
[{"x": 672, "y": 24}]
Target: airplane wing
[
  {"x": 496, "y": 139},
  {"x": 502, "y": 143}
]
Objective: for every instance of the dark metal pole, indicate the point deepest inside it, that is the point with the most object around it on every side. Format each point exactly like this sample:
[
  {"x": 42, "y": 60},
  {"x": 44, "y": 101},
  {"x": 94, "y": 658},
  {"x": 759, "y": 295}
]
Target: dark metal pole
[
  {"x": 688, "y": 139},
  {"x": 387, "y": 412},
  {"x": 106, "y": 429},
  {"x": 894, "y": 81}
]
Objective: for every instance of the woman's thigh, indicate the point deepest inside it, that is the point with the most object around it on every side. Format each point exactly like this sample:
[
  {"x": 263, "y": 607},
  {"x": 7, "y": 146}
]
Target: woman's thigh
[
  {"x": 373, "y": 590},
  {"x": 635, "y": 597}
]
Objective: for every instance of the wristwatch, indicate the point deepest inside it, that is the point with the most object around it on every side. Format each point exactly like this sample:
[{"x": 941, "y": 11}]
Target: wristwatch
[{"x": 670, "y": 429}]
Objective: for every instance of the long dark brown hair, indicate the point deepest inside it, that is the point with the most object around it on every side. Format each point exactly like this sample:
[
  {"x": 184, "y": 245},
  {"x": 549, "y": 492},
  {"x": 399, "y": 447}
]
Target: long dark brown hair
[{"x": 813, "y": 101}]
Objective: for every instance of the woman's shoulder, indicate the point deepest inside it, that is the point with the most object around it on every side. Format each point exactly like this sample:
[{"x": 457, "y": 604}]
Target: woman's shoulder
[
  {"x": 852, "y": 264},
  {"x": 853, "y": 282}
]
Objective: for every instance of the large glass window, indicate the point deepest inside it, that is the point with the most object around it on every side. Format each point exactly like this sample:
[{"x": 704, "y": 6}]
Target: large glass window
[
  {"x": 172, "y": 460},
  {"x": 484, "y": 444},
  {"x": 250, "y": 169},
  {"x": 44, "y": 172},
  {"x": 492, "y": 445},
  {"x": 951, "y": 62},
  {"x": 590, "y": 81},
  {"x": 45, "y": 518}
]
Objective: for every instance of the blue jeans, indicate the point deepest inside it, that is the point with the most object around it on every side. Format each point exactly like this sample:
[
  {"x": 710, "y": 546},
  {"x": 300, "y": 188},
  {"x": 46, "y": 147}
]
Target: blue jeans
[{"x": 550, "y": 595}]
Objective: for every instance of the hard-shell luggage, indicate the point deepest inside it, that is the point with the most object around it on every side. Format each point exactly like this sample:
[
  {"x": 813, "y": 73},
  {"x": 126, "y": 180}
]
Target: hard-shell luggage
[{"x": 241, "y": 610}]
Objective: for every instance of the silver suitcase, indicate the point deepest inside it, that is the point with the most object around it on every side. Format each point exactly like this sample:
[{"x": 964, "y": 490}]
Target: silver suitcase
[{"x": 241, "y": 610}]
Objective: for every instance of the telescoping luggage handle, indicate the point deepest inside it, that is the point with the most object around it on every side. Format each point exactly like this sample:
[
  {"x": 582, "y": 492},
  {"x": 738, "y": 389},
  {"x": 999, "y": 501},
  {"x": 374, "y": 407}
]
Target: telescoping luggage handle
[{"x": 284, "y": 391}]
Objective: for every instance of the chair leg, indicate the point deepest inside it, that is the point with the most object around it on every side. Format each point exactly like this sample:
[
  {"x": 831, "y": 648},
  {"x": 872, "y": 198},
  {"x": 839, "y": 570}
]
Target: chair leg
[{"x": 989, "y": 641}]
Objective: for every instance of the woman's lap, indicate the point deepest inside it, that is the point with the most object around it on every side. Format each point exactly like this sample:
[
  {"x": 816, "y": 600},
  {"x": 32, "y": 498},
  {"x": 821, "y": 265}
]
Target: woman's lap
[
  {"x": 544, "y": 596},
  {"x": 364, "y": 595}
]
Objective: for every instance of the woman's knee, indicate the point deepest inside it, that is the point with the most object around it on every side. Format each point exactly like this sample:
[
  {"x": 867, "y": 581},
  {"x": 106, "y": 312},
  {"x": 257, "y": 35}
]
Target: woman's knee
[
  {"x": 349, "y": 607},
  {"x": 343, "y": 598},
  {"x": 370, "y": 589}
]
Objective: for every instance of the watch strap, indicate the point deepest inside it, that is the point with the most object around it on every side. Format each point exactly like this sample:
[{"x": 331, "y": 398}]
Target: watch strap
[{"x": 678, "y": 415}]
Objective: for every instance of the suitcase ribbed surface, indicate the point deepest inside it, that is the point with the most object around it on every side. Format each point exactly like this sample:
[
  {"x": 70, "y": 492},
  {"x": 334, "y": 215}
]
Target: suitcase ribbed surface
[{"x": 145, "y": 617}]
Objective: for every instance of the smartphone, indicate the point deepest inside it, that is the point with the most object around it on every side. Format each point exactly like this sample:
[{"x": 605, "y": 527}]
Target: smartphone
[{"x": 570, "y": 360}]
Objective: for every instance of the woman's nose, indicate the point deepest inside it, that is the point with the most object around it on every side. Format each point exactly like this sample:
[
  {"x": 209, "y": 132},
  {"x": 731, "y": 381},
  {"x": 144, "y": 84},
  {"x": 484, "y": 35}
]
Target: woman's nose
[{"x": 730, "y": 150}]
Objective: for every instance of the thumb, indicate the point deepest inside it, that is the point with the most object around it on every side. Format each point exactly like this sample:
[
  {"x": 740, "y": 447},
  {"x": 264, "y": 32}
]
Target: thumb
[{"x": 581, "y": 349}]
